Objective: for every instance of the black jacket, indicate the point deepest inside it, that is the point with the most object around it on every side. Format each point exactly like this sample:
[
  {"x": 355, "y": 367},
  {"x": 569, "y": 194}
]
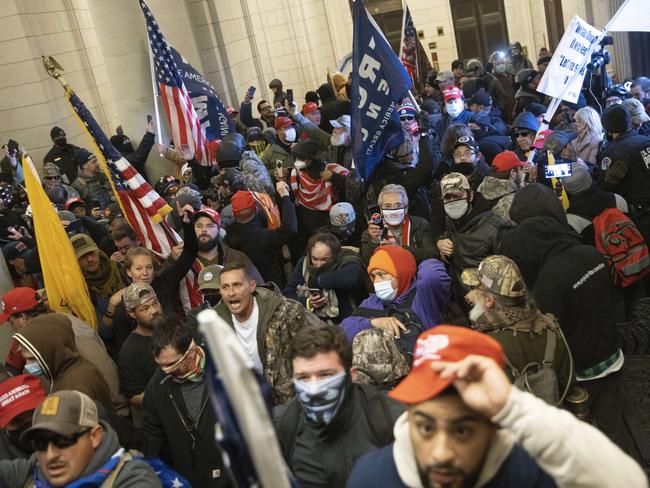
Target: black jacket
[
  {"x": 628, "y": 174},
  {"x": 569, "y": 280},
  {"x": 64, "y": 159},
  {"x": 263, "y": 246},
  {"x": 139, "y": 156},
  {"x": 168, "y": 429}
]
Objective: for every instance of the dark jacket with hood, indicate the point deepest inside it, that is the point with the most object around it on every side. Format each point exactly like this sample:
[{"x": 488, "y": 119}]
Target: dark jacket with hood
[
  {"x": 524, "y": 97},
  {"x": 331, "y": 108},
  {"x": 50, "y": 339},
  {"x": 263, "y": 246},
  {"x": 323, "y": 455},
  {"x": 133, "y": 473},
  {"x": 137, "y": 157},
  {"x": 64, "y": 158},
  {"x": 168, "y": 427},
  {"x": 568, "y": 279},
  {"x": 421, "y": 243}
]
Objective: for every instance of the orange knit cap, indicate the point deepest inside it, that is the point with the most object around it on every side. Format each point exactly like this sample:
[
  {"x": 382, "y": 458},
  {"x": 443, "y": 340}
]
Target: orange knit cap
[{"x": 396, "y": 261}]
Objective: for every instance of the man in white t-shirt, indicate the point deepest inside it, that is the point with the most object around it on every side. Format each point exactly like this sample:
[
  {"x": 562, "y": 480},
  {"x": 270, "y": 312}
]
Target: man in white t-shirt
[{"x": 265, "y": 322}]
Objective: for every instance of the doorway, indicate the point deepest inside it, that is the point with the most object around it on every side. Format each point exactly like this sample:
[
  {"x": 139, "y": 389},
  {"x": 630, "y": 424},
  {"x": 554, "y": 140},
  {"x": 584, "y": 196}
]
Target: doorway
[{"x": 480, "y": 28}]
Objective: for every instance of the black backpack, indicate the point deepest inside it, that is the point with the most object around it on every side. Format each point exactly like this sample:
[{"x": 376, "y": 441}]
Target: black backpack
[{"x": 375, "y": 406}]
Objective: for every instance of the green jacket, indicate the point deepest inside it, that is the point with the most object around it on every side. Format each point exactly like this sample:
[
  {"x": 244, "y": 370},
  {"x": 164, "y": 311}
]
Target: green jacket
[
  {"x": 134, "y": 473},
  {"x": 280, "y": 319}
]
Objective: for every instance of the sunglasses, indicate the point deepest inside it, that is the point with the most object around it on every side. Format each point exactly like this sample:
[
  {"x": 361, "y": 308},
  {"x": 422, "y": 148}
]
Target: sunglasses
[
  {"x": 52, "y": 177},
  {"x": 521, "y": 133},
  {"x": 407, "y": 117},
  {"x": 40, "y": 441}
]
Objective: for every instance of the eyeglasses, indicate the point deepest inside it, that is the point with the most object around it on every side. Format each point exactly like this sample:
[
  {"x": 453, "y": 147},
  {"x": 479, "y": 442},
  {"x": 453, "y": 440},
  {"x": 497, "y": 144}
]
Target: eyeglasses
[
  {"x": 407, "y": 117},
  {"x": 521, "y": 133},
  {"x": 40, "y": 441},
  {"x": 463, "y": 155},
  {"x": 52, "y": 177}
]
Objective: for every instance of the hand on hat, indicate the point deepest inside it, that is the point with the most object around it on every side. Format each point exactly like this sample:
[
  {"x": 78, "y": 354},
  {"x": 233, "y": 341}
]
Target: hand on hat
[
  {"x": 390, "y": 324},
  {"x": 480, "y": 382}
]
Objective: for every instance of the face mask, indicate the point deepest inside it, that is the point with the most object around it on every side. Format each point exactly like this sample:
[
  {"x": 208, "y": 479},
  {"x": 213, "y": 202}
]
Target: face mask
[
  {"x": 501, "y": 68},
  {"x": 393, "y": 217},
  {"x": 454, "y": 108},
  {"x": 60, "y": 142},
  {"x": 290, "y": 134},
  {"x": 456, "y": 209},
  {"x": 385, "y": 291},
  {"x": 15, "y": 438},
  {"x": 298, "y": 164},
  {"x": 321, "y": 399},
  {"x": 338, "y": 139},
  {"x": 33, "y": 368},
  {"x": 463, "y": 168}
]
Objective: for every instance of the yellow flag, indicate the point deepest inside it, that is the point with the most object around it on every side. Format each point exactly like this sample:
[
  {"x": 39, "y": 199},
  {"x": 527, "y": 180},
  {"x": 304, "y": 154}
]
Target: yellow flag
[{"x": 64, "y": 283}]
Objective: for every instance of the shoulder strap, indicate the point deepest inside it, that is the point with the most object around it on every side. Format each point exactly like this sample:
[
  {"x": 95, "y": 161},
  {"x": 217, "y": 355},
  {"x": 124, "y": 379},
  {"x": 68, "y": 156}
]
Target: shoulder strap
[
  {"x": 110, "y": 479},
  {"x": 549, "y": 352},
  {"x": 288, "y": 428},
  {"x": 378, "y": 415}
]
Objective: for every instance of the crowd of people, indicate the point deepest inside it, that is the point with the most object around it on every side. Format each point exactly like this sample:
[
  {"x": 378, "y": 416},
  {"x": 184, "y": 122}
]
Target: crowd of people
[{"x": 339, "y": 292}]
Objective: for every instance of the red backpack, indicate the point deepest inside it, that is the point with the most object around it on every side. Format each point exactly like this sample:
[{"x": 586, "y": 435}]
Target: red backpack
[{"x": 622, "y": 246}]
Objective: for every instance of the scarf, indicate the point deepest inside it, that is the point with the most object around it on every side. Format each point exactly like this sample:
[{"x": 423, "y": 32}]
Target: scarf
[
  {"x": 516, "y": 318},
  {"x": 107, "y": 280},
  {"x": 406, "y": 234},
  {"x": 92, "y": 480},
  {"x": 194, "y": 357}
]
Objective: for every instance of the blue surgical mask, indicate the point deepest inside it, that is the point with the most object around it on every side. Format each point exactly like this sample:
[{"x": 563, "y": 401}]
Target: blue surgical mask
[
  {"x": 34, "y": 368},
  {"x": 321, "y": 399},
  {"x": 385, "y": 291}
]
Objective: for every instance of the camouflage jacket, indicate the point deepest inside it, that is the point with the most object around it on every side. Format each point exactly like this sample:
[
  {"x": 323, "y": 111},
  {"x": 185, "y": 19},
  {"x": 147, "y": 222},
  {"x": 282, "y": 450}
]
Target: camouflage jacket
[
  {"x": 280, "y": 319},
  {"x": 499, "y": 193}
]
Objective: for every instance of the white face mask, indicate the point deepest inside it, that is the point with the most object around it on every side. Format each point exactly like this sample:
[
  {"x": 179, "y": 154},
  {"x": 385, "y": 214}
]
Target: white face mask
[
  {"x": 385, "y": 291},
  {"x": 456, "y": 209},
  {"x": 290, "y": 134},
  {"x": 298, "y": 164},
  {"x": 500, "y": 68},
  {"x": 454, "y": 108},
  {"x": 339, "y": 139},
  {"x": 393, "y": 217}
]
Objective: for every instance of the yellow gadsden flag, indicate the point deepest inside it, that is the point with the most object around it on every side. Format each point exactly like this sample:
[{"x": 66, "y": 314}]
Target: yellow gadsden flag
[{"x": 64, "y": 283}]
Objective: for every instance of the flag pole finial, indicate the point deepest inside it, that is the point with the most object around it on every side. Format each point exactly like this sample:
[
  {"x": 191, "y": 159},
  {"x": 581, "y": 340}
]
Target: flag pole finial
[{"x": 54, "y": 69}]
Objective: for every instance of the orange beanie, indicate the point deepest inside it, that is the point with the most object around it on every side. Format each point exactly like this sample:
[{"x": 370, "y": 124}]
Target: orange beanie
[{"x": 398, "y": 262}]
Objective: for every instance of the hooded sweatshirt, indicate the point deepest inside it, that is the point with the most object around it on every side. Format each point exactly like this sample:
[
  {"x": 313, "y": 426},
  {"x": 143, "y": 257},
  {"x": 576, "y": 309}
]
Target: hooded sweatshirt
[
  {"x": 132, "y": 473},
  {"x": 50, "y": 339}
]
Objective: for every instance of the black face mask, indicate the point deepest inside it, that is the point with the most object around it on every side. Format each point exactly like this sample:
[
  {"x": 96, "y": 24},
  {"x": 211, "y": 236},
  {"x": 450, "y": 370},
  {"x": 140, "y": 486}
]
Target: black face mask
[
  {"x": 60, "y": 142},
  {"x": 609, "y": 136},
  {"x": 315, "y": 169},
  {"x": 212, "y": 298},
  {"x": 15, "y": 438},
  {"x": 463, "y": 168}
]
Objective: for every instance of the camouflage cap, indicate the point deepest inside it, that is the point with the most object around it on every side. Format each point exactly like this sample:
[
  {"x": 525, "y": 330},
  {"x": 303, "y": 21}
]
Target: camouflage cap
[
  {"x": 51, "y": 169},
  {"x": 498, "y": 275},
  {"x": 137, "y": 294},
  {"x": 376, "y": 359},
  {"x": 454, "y": 183}
]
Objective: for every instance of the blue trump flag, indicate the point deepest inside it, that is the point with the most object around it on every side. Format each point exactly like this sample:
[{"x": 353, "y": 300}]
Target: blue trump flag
[
  {"x": 379, "y": 82},
  {"x": 207, "y": 105}
]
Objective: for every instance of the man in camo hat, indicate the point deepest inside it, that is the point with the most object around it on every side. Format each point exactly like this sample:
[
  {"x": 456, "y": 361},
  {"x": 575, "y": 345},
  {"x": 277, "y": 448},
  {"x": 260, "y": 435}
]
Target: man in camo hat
[
  {"x": 503, "y": 309},
  {"x": 52, "y": 178}
]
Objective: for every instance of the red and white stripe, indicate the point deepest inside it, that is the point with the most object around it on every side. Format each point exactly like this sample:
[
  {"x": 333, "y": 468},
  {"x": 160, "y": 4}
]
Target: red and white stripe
[{"x": 315, "y": 194}]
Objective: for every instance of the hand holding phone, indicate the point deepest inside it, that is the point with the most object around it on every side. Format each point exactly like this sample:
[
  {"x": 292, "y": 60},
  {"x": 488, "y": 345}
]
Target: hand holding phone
[{"x": 250, "y": 93}]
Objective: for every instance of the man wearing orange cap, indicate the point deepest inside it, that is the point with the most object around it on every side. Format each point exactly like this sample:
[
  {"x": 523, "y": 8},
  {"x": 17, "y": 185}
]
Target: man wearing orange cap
[
  {"x": 402, "y": 305},
  {"x": 466, "y": 425}
]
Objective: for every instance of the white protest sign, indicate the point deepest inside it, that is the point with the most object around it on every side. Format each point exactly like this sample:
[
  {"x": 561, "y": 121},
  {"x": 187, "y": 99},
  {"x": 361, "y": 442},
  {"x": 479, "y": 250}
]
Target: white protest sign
[
  {"x": 566, "y": 71},
  {"x": 633, "y": 16}
]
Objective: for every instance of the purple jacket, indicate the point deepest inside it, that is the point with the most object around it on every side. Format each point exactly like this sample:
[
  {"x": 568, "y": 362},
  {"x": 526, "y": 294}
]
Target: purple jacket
[{"x": 432, "y": 293}]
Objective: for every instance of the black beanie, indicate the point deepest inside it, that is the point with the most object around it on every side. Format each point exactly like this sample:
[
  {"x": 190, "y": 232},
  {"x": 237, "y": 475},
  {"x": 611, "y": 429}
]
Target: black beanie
[
  {"x": 616, "y": 119},
  {"x": 56, "y": 132}
]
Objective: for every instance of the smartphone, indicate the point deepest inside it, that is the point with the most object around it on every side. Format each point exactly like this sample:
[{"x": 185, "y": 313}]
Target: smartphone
[
  {"x": 557, "y": 170},
  {"x": 315, "y": 292},
  {"x": 149, "y": 119},
  {"x": 279, "y": 174},
  {"x": 374, "y": 215},
  {"x": 251, "y": 91},
  {"x": 290, "y": 96}
]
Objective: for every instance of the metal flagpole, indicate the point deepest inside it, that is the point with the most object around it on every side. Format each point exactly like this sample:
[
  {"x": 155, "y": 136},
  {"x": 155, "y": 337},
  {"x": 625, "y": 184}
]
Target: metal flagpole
[{"x": 155, "y": 95}]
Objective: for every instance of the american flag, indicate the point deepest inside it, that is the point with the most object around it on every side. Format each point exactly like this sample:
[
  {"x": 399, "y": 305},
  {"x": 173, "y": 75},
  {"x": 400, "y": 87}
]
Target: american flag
[
  {"x": 408, "y": 48},
  {"x": 143, "y": 208},
  {"x": 185, "y": 124}
]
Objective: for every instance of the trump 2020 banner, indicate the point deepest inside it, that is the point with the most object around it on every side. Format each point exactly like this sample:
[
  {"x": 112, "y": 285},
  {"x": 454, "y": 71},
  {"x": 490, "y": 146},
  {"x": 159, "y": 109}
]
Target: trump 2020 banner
[{"x": 379, "y": 82}]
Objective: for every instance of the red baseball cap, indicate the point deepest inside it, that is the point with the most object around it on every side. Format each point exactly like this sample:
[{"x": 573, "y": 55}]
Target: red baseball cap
[
  {"x": 507, "y": 160},
  {"x": 18, "y": 300},
  {"x": 282, "y": 123},
  {"x": 242, "y": 200},
  {"x": 310, "y": 107},
  {"x": 19, "y": 394},
  {"x": 452, "y": 93},
  {"x": 442, "y": 343},
  {"x": 72, "y": 201},
  {"x": 211, "y": 213}
]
